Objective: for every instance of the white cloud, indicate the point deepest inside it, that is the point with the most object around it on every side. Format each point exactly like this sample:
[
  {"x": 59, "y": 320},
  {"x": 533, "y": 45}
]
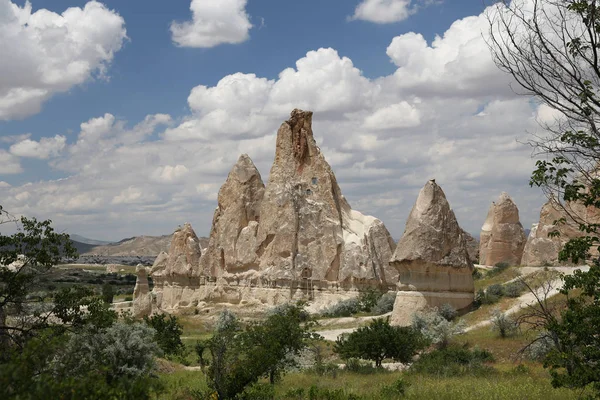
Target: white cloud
[
  {"x": 384, "y": 11},
  {"x": 44, "y": 149},
  {"x": 445, "y": 113},
  {"x": 9, "y": 164},
  {"x": 44, "y": 52},
  {"x": 214, "y": 22}
]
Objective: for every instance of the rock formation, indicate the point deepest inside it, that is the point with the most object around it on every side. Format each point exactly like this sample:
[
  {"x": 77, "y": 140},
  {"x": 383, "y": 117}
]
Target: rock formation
[
  {"x": 175, "y": 275},
  {"x": 307, "y": 228},
  {"x": 295, "y": 238},
  {"x": 431, "y": 258},
  {"x": 502, "y": 237},
  {"x": 472, "y": 247},
  {"x": 541, "y": 250},
  {"x": 142, "y": 298},
  {"x": 232, "y": 243}
]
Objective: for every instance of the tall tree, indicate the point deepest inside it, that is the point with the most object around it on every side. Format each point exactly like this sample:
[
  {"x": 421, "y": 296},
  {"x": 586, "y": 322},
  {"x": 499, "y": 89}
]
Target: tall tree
[{"x": 552, "y": 49}]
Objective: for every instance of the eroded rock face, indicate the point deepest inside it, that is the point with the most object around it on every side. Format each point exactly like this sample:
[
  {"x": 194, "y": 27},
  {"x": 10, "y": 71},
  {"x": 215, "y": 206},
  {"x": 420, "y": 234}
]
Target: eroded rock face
[
  {"x": 432, "y": 258},
  {"x": 232, "y": 243},
  {"x": 142, "y": 298},
  {"x": 307, "y": 228},
  {"x": 541, "y": 250},
  {"x": 502, "y": 236},
  {"x": 472, "y": 247},
  {"x": 184, "y": 253}
]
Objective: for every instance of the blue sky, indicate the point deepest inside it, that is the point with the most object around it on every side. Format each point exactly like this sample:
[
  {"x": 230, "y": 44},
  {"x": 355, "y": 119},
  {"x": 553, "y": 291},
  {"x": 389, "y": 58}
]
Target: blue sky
[{"x": 148, "y": 74}]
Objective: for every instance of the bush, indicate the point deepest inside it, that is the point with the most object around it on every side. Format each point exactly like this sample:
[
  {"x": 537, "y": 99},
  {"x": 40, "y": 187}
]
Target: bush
[
  {"x": 395, "y": 390},
  {"x": 482, "y": 297},
  {"x": 368, "y": 299},
  {"x": 360, "y": 367},
  {"x": 498, "y": 269},
  {"x": 447, "y": 311},
  {"x": 477, "y": 274},
  {"x": 385, "y": 304},
  {"x": 540, "y": 347},
  {"x": 344, "y": 308},
  {"x": 108, "y": 293},
  {"x": 514, "y": 289},
  {"x": 258, "y": 391},
  {"x": 495, "y": 290},
  {"x": 503, "y": 324},
  {"x": 435, "y": 328},
  {"x": 167, "y": 333},
  {"x": 128, "y": 298},
  {"x": 454, "y": 361}
]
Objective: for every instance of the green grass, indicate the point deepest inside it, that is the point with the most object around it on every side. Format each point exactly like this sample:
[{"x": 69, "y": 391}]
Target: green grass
[
  {"x": 504, "y": 276},
  {"x": 182, "y": 385}
]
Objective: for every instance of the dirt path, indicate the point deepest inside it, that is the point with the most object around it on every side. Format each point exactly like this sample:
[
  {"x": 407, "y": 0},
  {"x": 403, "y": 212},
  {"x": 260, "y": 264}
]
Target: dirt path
[
  {"x": 521, "y": 302},
  {"x": 528, "y": 298}
]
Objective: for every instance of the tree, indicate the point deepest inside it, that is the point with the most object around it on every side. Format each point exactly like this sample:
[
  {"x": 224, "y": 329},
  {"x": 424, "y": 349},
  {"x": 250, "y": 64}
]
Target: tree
[
  {"x": 240, "y": 356},
  {"x": 167, "y": 333},
  {"x": 551, "y": 49},
  {"x": 379, "y": 341},
  {"x": 108, "y": 293}
]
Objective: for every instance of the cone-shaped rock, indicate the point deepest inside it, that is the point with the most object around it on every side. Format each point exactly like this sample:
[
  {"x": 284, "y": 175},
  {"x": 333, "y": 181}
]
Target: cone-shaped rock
[
  {"x": 142, "y": 298},
  {"x": 542, "y": 250},
  {"x": 432, "y": 258},
  {"x": 502, "y": 236},
  {"x": 184, "y": 253},
  {"x": 307, "y": 229},
  {"x": 232, "y": 242},
  {"x": 472, "y": 247}
]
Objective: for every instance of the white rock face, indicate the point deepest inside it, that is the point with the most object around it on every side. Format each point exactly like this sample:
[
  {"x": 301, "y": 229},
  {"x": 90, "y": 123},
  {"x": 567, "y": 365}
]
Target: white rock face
[
  {"x": 307, "y": 228},
  {"x": 540, "y": 249},
  {"x": 502, "y": 236},
  {"x": 232, "y": 243},
  {"x": 432, "y": 259},
  {"x": 142, "y": 298}
]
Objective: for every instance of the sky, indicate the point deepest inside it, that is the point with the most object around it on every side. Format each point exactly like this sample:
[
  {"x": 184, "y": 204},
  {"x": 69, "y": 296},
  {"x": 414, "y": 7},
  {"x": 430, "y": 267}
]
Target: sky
[{"x": 123, "y": 118}]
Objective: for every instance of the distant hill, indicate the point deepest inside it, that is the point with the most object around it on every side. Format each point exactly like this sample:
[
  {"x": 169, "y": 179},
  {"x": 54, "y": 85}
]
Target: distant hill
[
  {"x": 84, "y": 240},
  {"x": 137, "y": 246}
]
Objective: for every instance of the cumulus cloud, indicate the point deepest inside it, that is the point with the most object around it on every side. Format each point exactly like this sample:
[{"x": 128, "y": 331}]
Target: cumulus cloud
[
  {"x": 445, "y": 113},
  {"x": 214, "y": 22},
  {"x": 44, "y": 149},
  {"x": 384, "y": 11},
  {"x": 9, "y": 164},
  {"x": 44, "y": 53}
]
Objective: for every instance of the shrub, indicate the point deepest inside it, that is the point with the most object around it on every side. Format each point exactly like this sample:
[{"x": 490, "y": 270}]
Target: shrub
[
  {"x": 385, "y": 304},
  {"x": 128, "y": 298},
  {"x": 482, "y": 297},
  {"x": 514, "y": 289},
  {"x": 435, "y": 328},
  {"x": 368, "y": 299},
  {"x": 258, "y": 391},
  {"x": 498, "y": 269},
  {"x": 344, "y": 308},
  {"x": 477, "y": 274},
  {"x": 360, "y": 367},
  {"x": 167, "y": 333},
  {"x": 540, "y": 347},
  {"x": 454, "y": 361},
  {"x": 108, "y": 293},
  {"x": 495, "y": 290},
  {"x": 503, "y": 324},
  {"x": 447, "y": 311},
  {"x": 395, "y": 390}
]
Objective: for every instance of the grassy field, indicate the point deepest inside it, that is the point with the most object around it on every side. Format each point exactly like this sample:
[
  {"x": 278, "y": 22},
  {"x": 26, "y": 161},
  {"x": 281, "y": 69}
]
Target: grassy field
[{"x": 510, "y": 381}]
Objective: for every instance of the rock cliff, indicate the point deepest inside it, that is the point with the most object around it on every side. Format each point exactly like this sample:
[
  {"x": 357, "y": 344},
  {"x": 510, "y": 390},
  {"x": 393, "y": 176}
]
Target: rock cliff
[
  {"x": 502, "y": 237},
  {"x": 432, "y": 258}
]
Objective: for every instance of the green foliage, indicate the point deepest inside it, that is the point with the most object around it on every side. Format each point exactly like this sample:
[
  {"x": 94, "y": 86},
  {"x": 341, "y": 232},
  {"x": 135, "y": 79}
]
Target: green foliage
[
  {"x": 368, "y": 299},
  {"x": 263, "y": 349},
  {"x": 396, "y": 389},
  {"x": 574, "y": 361},
  {"x": 359, "y": 366},
  {"x": 344, "y": 308},
  {"x": 385, "y": 304},
  {"x": 108, "y": 293},
  {"x": 447, "y": 311},
  {"x": 496, "y": 290},
  {"x": 167, "y": 333},
  {"x": 454, "y": 361},
  {"x": 435, "y": 328},
  {"x": 378, "y": 341},
  {"x": 514, "y": 289},
  {"x": 258, "y": 391},
  {"x": 498, "y": 269},
  {"x": 483, "y": 297},
  {"x": 503, "y": 324}
]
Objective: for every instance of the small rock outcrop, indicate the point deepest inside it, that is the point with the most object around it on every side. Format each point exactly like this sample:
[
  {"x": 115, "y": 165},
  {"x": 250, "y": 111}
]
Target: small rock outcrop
[
  {"x": 175, "y": 274},
  {"x": 542, "y": 250},
  {"x": 432, "y": 259},
  {"x": 307, "y": 229},
  {"x": 232, "y": 243},
  {"x": 502, "y": 236},
  {"x": 142, "y": 298}
]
